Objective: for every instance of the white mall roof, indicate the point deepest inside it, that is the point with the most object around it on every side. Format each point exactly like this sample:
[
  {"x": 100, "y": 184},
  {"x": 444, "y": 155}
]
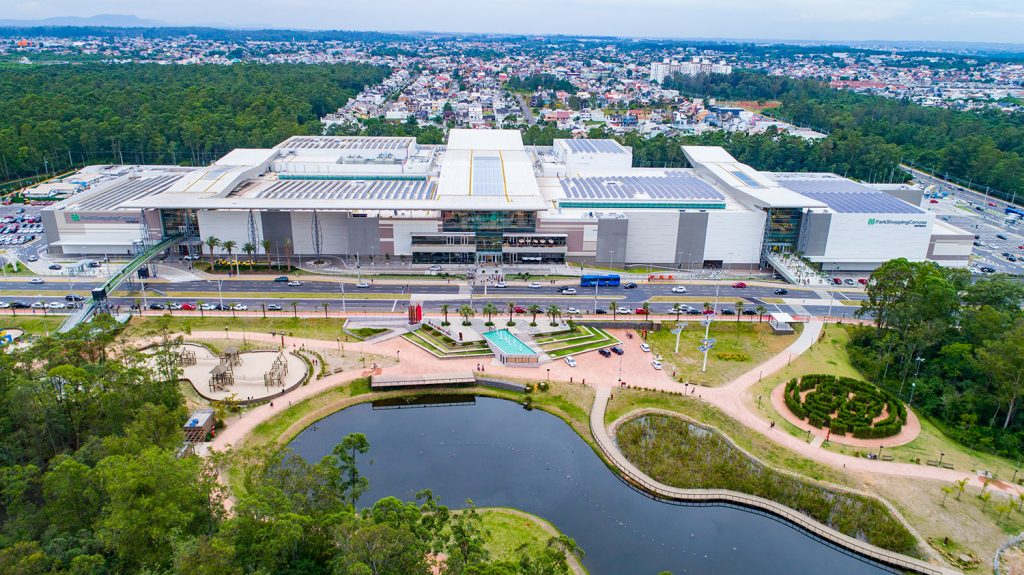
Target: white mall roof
[{"x": 504, "y": 140}]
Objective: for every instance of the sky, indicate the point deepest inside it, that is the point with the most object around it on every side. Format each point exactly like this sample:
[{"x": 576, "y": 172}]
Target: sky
[{"x": 819, "y": 20}]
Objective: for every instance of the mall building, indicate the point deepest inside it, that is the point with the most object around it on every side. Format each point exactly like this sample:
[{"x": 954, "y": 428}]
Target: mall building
[{"x": 486, "y": 198}]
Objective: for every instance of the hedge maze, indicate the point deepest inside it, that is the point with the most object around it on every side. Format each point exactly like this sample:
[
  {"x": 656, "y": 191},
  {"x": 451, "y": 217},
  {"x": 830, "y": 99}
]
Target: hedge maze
[{"x": 845, "y": 405}]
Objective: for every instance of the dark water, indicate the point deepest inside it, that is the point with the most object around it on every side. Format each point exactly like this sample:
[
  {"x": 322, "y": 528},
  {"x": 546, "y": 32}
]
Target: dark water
[{"x": 497, "y": 454}]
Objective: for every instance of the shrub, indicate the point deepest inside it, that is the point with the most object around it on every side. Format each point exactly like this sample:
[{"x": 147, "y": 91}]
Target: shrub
[
  {"x": 844, "y": 404},
  {"x": 732, "y": 356}
]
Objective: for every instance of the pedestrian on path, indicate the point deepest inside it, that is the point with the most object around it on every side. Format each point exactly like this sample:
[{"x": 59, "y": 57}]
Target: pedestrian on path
[{"x": 772, "y": 426}]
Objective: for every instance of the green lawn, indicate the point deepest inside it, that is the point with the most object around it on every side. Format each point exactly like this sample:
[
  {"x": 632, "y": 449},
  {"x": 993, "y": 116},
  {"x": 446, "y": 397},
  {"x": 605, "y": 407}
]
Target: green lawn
[
  {"x": 739, "y": 347},
  {"x": 367, "y": 332},
  {"x": 508, "y": 530},
  {"x": 313, "y": 328},
  {"x": 582, "y": 339},
  {"x": 33, "y": 324}
]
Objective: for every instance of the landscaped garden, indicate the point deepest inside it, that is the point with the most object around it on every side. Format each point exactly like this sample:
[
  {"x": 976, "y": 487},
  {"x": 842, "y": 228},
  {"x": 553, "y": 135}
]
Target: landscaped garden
[
  {"x": 844, "y": 405},
  {"x": 678, "y": 453},
  {"x": 738, "y": 348},
  {"x": 578, "y": 339},
  {"x": 440, "y": 344}
]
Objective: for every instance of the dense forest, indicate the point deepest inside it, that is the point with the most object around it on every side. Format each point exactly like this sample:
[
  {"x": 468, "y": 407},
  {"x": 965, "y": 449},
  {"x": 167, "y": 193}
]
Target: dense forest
[
  {"x": 52, "y": 117},
  {"x": 90, "y": 484},
  {"x": 986, "y": 148},
  {"x": 957, "y": 346}
]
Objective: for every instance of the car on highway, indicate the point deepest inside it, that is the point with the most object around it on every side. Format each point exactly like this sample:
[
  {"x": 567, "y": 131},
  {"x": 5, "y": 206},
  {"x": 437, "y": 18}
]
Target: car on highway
[
  {"x": 781, "y": 291},
  {"x": 37, "y": 281},
  {"x": 294, "y": 283},
  {"x": 1001, "y": 236},
  {"x": 362, "y": 285},
  {"x": 572, "y": 311},
  {"x": 32, "y": 258},
  {"x": 678, "y": 289},
  {"x": 274, "y": 307},
  {"x": 617, "y": 350},
  {"x": 978, "y": 244},
  {"x": 641, "y": 311},
  {"x": 739, "y": 285},
  {"x": 570, "y": 361},
  {"x": 622, "y": 310},
  {"x": 656, "y": 364},
  {"x": 73, "y": 297},
  {"x": 568, "y": 291},
  {"x": 604, "y": 352},
  {"x": 54, "y": 266},
  {"x": 434, "y": 268},
  {"x": 501, "y": 285},
  {"x": 987, "y": 270},
  {"x": 644, "y": 347},
  {"x": 630, "y": 285},
  {"x": 534, "y": 285},
  {"x": 281, "y": 279}
]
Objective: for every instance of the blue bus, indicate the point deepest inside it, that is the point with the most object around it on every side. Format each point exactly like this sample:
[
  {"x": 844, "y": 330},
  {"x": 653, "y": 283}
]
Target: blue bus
[
  {"x": 1015, "y": 211},
  {"x": 596, "y": 280}
]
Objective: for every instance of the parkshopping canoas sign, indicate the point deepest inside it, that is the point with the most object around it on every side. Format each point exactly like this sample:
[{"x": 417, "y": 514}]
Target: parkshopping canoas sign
[{"x": 915, "y": 223}]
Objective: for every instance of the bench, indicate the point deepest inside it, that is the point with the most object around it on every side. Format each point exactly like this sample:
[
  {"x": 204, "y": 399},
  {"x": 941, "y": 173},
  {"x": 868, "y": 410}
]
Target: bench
[
  {"x": 947, "y": 465},
  {"x": 886, "y": 458}
]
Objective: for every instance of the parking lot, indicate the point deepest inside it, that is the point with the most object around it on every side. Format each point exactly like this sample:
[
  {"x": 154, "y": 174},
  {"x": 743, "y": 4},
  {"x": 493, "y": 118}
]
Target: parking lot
[{"x": 21, "y": 230}]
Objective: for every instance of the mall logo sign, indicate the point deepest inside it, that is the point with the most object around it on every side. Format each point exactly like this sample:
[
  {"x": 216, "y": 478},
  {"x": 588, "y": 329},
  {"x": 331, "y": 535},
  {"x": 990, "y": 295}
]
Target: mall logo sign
[{"x": 915, "y": 223}]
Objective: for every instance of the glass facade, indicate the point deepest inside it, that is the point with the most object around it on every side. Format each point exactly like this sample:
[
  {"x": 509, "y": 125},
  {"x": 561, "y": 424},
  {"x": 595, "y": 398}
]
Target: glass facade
[
  {"x": 782, "y": 229},
  {"x": 499, "y": 222}
]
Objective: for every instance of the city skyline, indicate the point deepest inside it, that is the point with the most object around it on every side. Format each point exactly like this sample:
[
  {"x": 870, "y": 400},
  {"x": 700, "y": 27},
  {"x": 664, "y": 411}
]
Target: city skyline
[{"x": 989, "y": 21}]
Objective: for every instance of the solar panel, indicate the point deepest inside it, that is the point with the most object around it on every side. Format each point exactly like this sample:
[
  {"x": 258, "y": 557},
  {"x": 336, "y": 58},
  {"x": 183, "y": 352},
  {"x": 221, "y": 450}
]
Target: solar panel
[
  {"x": 133, "y": 189},
  {"x": 745, "y": 179},
  {"x": 595, "y": 146},
  {"x": 488, "y": 179},
  {"x": 846, "y": 196},
  {"x": 347, "y": 190},
  {"x": 639, "y": 188}
]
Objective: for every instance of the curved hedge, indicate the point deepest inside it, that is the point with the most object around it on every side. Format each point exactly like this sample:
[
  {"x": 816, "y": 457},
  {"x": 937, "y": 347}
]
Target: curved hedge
[{"x": 845, "y": 405}]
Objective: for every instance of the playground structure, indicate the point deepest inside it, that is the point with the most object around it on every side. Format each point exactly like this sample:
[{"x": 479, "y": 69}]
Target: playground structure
[
  {"x": 10, "y": 335},
  {"x": 243, "y": 376}
]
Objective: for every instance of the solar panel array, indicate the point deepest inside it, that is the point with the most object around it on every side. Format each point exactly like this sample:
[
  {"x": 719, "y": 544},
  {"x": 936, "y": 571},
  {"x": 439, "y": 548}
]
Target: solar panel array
[
  {"x": 488, "y": 179},
  {"x": 595, "y": 146},
  {"x": 846, "y": 197},
  {"x": 677, "y": 187},
  {"x": 745, "y": 179},
  {"x": 132, "y": 189},
  {"x": 348, "y": 190},
  {"x": 342, "y": 143}
]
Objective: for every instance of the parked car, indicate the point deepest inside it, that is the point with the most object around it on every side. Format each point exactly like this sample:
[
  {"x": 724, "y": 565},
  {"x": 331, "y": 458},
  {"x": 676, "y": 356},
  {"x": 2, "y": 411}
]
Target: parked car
[
  {"x": 157, "y": 306},
  {"x": 641, "y": 311},
  {"x": 977, "y": 243},
  {"x": 19, "y": 305},
  {"x": 174, "y": 306},
  {"x": 519, "y": 309},
  {"x": 362, "y": 285},
  {"x": 618, "y": 350},
  {"x": 188, "y": 307},
  {"x": 38, "y": 305},
  {"x": 281, "y": 279},
  {"x": 1001, "y": 236},
  {"x": 739, "y": 285},
  {"x": 749, "y": 311},
  {"x": 600, "y": 311},
  {"x": 54, "y": 266},
  {"x": 534, "y": 285},
  {"x": 988, "y": 270},
  {"x": 273, "y": 307},
  {"x": 56, "y": 305},
  {"x": 645, "y": 347},
  {"x": 434, "y": 268},
  {"x": 781, "y": 291},
  {"x": 604, "y": 352},
  {"x": 848, "y": 281},
  {"x": 208, "y": 307},
  {"x": 679, "y": 289},
  {"x": 622, "y": 310},
  {"x": 728, "y": 311},
  {"x": 4, "y": 305},
  {"x": 933, "y": 201},
  {"x": 73, "y": 297},
  {"x": 501, "y": 285},
  {"x": 570, "y": 361},
  {"x": 837, "y": 281},
  {"x": 572, "y": 311},
  {"x": 630, "y": 285},
  {"x": 656, "y": 364},
  {"x": 862, "y": 281},
  {"x": 239, "y": 307}
]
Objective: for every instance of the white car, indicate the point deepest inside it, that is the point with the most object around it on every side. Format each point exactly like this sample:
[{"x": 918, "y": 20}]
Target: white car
[
  {"x": 501, "y": 285},
  {"x": 434, "y": 268},
  {"x": 295, "y": 283},
  {"x": 572, "y": 311},
  {"x": 37, "y": 305},
  {"x": 208, "y": 307},
  {"x": 645, "y": 347},
  {"x": 37, "y": 281},
  {"x": 4, "y": 305},
  {"x": 274, "y": 307},
  {"x": 570, "y": 361},
  {"x": 679, "y": 289},
  {"x": 569, "y": 291},
  {"x": 56, "y": 305},
  {"x": 174, "y": 306},
  {"x": 362, "y": 285},
  {"x": 656, "y": 364},
  {"x": 623, "y": 310},
  {"x": 239, "y": 307},
  {"x": 534, "y": 285}
]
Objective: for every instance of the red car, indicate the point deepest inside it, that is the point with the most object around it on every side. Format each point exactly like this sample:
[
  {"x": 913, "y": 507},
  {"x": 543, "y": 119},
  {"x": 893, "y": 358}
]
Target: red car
[
  {"x": 837, "y": 281},
  {"x": 992, "y": 204},
  {"x": 708, "y": 311},
  {"x": 640, "y": 311},
  {"x": 933, "y": 201},
  {"x": 188, "y": 306},
  {"x": 862, "y": 281},
  {"x": 739, "y": 285},
  {"x": 520, "y": 309}
]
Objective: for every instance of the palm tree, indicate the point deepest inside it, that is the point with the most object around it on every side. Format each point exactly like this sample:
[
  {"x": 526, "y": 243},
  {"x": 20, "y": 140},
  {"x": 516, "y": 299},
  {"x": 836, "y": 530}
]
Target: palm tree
[
  {"x": 678, "y": 310},
  {"x": 199, "y": 306},
  {"x": 534, "y": 309},
  {"x": 229, "y": 246},
  {"x": 325, "y": 305},
  {"x": 288, "y": 252},
  {"x": 265, "y": 244},
  {"x": 466, "y": 312},
  {"x": 295, "y": 309},
  {"x": 614, "y": 309},
  {"x": 761, "y": 310},
  {"x": 212, "y": 242},
  {"x": 708, "y": 307},
  {"x": 232, "y": 307},
  {"x": 489, "y": 310},
  {"x": 444, "y": 311},
  {"x": 554, "y": 312},
  {"x": 739, "y": 309},
  {"x": 647, "y": 308},
  {"x": 249, "y": 248},
  {"x": 511, "y": 310},
  {"x": 960, "y": 484}
]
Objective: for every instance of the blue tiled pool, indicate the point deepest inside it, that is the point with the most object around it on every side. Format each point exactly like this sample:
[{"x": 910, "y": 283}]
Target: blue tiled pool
[{"x": 508, "y": 343}]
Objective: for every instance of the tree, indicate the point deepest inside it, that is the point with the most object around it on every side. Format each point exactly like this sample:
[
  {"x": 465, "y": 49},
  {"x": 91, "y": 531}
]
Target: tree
[
  {"x": 1003, "y": 359},
  {"x": 444, "y": 312},
  {"x": 511, "y": 310},
  {"x": 212, "y": 242},
  {"x": 295, "y": 309},
  {"x": 678, "y": 310},
  {"x": 761, "y": 310},
  {"x": 249, "y": 249},
  {"x": 199, "y": 306},
  {"x": 288, "y": 252},
  {"x": 467, "y": 313},
  {"x": 489, "y": 310},
  {"x": 325, "y": 305},
  {"x": 946, "y": 490},
  {"x": 739, "y": 310},
  {"x": 960, "y": 485},
  {"x": 265, "y": 244},
  {"x": 612, "y": 307},
  {"x": 554, "y": 312},
  {"x": 646, "y": 307},
  {"x": 346, "y": 452},
  {"x": 534, "y": 309},
  {"x": 467, "y": 539},
  {"x": 229, "y": 246}
]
